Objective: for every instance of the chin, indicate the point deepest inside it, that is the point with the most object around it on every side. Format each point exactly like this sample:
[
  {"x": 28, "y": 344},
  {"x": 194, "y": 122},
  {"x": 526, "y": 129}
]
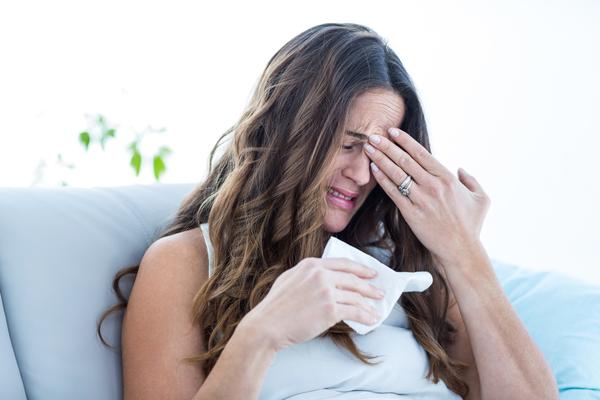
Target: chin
[
  {"x": 335, "y": 221},
  {"x": 335, "y": 228}
]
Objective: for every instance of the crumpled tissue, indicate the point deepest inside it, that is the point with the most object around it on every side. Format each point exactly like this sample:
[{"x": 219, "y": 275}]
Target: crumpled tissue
[{"x": 392, "y": 282}]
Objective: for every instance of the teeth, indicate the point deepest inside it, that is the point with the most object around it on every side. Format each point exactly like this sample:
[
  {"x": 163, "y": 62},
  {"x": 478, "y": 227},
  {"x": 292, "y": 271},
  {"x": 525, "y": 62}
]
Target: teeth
[{"x": 337, "y": 194}]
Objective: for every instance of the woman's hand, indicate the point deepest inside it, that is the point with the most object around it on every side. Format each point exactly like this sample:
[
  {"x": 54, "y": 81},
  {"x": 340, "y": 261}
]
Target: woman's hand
[
  {"x": 314, "y": 295},
  {"x": 445, "y": 213}
]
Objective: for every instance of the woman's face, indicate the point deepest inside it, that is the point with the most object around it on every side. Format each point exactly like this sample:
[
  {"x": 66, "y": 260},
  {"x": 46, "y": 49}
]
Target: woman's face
[{"x": 372, "y": 112}]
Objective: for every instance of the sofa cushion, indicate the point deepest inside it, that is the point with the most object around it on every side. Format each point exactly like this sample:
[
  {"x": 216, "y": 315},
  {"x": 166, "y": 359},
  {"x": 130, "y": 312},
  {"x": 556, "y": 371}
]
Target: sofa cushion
[
  {"x": 11, "y": 385},
  {"x": 562, "y": 315},
  {"x": 59, "y": 251}
]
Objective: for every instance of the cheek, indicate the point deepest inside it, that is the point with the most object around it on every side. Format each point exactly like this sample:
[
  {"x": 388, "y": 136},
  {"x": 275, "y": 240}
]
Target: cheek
[{"x": 335, "y": 172}]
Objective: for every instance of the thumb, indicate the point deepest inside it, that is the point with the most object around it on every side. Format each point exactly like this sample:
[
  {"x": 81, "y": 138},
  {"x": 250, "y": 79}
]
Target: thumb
[{"x": 469, "y": 181}]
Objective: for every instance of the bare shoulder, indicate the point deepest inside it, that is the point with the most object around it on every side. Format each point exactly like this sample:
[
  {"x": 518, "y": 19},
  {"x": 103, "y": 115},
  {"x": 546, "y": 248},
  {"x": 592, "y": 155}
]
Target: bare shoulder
[
  {"x": 183, "y": 246},
  {"x": 157, "y": 327},
  {"x": 179, "y": 261}
]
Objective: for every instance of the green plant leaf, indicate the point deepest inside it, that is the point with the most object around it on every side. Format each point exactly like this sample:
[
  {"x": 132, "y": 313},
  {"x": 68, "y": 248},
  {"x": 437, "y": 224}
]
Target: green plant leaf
[
  {"x": 84, "y": 139},
  {"x": 105, "y": 135},
  {"x": 136, "y": 162},
  {"x": 159, "y": 167}
]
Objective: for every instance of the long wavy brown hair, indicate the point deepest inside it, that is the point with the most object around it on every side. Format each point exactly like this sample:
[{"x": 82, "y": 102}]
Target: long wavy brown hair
[{"x": 264, "y": 198}]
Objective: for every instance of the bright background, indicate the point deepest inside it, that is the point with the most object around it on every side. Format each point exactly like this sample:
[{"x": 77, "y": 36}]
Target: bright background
[{"x": 511, "y": 92}]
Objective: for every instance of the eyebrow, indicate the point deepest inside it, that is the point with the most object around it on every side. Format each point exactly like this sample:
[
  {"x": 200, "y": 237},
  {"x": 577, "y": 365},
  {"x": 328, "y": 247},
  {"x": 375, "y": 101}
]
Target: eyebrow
[{"x": 358, "y": 135}]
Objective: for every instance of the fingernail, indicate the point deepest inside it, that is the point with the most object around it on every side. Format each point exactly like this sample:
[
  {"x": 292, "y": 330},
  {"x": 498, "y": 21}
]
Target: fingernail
[
  {"x": 369, "y": 148},
  {"x": 394, "y": 132},
  {"x": 375, "y": 138},
  {"x": 374, "y": 167}
]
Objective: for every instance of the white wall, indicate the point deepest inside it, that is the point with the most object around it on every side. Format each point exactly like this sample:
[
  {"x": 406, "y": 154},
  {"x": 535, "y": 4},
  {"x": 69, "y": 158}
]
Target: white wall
[{"x": 510, "y": 91}]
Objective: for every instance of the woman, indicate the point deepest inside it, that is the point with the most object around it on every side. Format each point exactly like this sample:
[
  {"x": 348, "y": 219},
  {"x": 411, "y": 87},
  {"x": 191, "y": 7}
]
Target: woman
[{"x": 333, "y": 142}]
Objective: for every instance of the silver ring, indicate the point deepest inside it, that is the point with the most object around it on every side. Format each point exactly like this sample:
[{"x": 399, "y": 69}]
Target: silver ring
[{"x": 405, "y": 186}]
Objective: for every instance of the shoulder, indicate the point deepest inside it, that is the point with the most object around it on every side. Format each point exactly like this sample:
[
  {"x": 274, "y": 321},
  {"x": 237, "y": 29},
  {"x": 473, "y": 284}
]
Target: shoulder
[
  {"x": 184, "y": 252},
  {"x": 158, "y": 330}
]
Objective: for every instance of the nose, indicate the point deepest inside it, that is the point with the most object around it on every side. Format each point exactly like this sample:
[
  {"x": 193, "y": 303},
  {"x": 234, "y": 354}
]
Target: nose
[{"x": 358, "y": 169}]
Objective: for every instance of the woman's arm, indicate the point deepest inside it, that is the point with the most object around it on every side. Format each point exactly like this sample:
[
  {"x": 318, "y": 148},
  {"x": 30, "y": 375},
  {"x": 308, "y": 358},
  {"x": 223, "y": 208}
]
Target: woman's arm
[
  {"x": 446, "y": 215},
  {"x": 461, "y": 350},
  {"x": 158, "y": 331},
  {"x": 241, "y": 368},
  {"x": 509, "y": 364}
]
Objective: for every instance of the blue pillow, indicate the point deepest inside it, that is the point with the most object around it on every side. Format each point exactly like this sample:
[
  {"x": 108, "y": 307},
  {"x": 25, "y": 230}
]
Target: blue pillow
[{"x": 562, "y": 315}]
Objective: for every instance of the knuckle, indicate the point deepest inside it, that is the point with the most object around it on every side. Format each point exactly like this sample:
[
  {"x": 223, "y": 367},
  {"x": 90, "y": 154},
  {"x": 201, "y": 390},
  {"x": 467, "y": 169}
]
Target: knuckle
[
  {"x": 320, "y": 276},
  {"x": 329, "y": 309},
  {"x": 377, "y": 155},
  {"x": 312, "y": 261},
  {"x": 435, "y": 190},
  {"x": 421, "y": 153},
  {"x": 401, "y": 177},
  {"x": 308, "y": 262},
  {"x": 326, "y": 293},
  {"x": 447, "y": 180}
]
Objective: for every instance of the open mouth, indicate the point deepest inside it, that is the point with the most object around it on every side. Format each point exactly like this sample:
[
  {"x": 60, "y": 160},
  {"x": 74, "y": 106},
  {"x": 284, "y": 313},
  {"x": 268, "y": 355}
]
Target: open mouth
[{"x": 341, "y": 200}]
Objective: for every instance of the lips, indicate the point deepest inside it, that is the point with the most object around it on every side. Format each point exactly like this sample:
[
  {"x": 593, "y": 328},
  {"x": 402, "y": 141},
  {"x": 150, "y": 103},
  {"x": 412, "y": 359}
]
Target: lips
[
  {"x": 340, "y": 202},
  {"x": 345, "y": 192}
]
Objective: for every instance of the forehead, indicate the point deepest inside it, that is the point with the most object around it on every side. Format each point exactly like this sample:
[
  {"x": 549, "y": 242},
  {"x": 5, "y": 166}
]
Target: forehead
[{"x": 374, "y": 112}]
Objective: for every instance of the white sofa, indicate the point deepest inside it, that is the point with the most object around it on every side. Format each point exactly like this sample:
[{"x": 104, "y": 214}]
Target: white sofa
[{"x": 59, "y": 251}]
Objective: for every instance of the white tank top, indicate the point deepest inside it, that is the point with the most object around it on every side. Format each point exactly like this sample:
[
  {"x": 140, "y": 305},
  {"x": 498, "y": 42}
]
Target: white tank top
[{"x": 319, "y": 369}]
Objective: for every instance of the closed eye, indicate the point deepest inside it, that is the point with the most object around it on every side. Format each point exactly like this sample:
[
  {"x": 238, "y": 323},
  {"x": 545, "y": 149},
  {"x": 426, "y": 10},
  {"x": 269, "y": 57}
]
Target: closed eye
[{"x": 349, "y": 146}]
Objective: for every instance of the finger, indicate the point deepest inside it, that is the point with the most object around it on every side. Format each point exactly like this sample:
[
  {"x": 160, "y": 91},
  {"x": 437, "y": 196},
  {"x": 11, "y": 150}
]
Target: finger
[
  {"x": 397, "y": 175},
  {"x": 347, "y": 265},
  {"x": 355, "y": 313},
  {"x": 469, "y": 181},
  {"x": 418, "y": 153},
  {"x": 349, "y": 281},
  {"x": 403, "y": 202},
  {"x": 352, "y": 298},
  {"x": 395, "y": 162}
]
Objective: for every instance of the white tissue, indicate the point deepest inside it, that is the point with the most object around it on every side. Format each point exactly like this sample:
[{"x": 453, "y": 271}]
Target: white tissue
[{"x": 392, "y": 282}]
